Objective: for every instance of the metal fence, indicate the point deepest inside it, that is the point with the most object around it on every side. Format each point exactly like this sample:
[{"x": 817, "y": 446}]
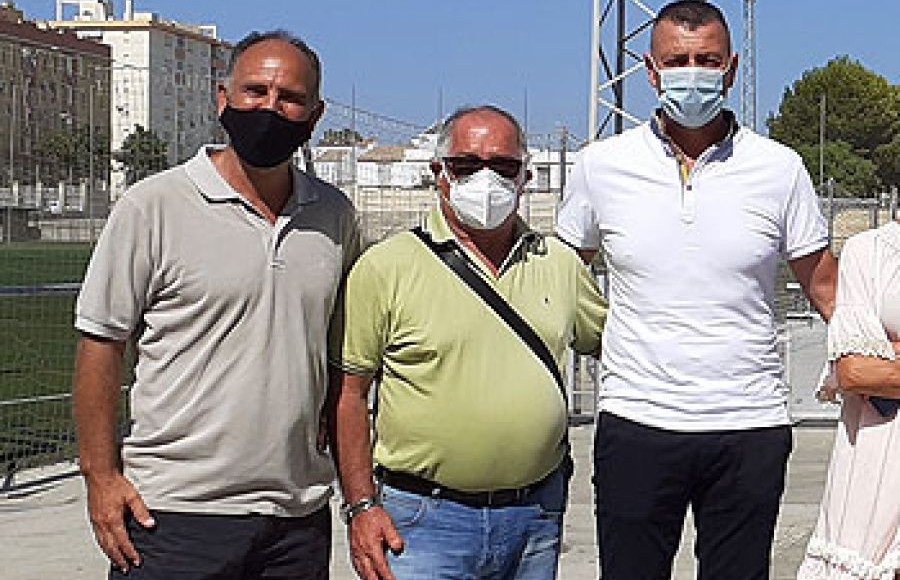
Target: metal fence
[
  {"x": 47, "y": 231},
  {"x": 45, "y": 252},
  {"x": 47, "y": 235}
]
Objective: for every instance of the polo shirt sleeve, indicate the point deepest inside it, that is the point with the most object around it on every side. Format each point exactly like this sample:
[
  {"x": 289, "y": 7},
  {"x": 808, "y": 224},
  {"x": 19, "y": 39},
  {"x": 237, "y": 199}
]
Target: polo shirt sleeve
[
  {"x": 351, "y": 242},
  {"x": 576, "y": 221},
  {"x": 805, "y": 228},
  {"x": 358, "y": 330},
  {"x": 590, "y": 316},
  {"x": 117, "y": 283}
]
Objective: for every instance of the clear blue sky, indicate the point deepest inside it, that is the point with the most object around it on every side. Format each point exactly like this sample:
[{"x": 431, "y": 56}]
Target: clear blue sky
[{"x": 401, "y": 54}]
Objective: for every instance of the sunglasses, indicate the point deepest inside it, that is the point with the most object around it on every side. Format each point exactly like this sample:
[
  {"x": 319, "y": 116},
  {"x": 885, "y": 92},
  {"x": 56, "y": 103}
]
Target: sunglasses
[{"x": 466, "y": 165}]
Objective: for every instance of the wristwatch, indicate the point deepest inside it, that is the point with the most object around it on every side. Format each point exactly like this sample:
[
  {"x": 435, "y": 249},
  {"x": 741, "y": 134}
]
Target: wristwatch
[{"x": 351, "y": 510}]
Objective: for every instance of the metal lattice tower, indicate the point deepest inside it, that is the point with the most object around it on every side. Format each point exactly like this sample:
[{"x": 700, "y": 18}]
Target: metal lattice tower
[
  {"x": 748, "y": 67},
  {"x": 607, "y": 95}
]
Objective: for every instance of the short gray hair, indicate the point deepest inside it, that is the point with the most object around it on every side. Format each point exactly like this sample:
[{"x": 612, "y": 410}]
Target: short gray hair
[{"x": 446, "y": 131}]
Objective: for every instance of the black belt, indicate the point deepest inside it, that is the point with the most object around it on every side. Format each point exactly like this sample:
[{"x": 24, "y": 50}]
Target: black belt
[{"x": 478, "y": 499}]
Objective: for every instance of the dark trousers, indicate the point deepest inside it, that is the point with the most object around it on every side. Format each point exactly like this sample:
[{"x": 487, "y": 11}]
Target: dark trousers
[
  {"x": 645, "y": 478},
  {"x": 206, "y": 547}
]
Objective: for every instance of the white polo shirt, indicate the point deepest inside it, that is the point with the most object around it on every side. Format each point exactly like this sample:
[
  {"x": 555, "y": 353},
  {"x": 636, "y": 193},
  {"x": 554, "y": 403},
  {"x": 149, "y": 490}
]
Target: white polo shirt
[{"x": 690, "y": 338}]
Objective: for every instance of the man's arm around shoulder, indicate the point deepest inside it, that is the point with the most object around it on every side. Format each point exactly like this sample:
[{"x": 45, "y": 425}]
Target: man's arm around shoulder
[
  {"x": 370, "y": 531},
  {"x": 96, "y": 392}
]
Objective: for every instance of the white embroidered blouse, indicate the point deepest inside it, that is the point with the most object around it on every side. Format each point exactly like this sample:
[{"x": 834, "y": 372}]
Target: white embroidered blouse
[{"x": 856, "y": 537}]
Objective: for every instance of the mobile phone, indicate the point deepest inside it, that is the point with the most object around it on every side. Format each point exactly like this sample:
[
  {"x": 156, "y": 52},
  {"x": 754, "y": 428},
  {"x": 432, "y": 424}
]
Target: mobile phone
[{"x": 886, "y": 407}]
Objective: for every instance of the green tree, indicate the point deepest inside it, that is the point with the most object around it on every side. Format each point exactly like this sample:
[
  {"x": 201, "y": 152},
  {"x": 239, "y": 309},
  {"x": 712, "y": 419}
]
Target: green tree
[
  {"x": 66, "y": 156},
  {"x": 862, "y": 111},
  {"x": 855, "y": 175},
  {"x": 887, "y": 158},
  {"x": 340, "y": 137},
  {"x": 142, "y": 154}
]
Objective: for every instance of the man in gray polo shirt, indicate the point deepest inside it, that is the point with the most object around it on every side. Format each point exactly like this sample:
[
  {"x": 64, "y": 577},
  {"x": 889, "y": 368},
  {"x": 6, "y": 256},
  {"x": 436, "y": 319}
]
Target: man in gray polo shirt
[{"x": 223, "y": 271}]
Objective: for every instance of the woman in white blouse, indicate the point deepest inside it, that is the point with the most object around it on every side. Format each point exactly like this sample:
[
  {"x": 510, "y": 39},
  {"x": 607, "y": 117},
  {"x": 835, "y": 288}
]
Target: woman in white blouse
[{"x": 857, "y": 537}]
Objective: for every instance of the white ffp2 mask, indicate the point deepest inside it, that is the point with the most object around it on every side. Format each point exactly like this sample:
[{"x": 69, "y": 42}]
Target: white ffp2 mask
[{"x": 484, "y": 199}]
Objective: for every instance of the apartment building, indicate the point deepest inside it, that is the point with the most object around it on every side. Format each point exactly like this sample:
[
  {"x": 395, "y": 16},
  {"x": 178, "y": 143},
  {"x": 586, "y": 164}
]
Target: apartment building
[
  {"x": 164, "y": 73},
  {"x": 52, "y": 85}
]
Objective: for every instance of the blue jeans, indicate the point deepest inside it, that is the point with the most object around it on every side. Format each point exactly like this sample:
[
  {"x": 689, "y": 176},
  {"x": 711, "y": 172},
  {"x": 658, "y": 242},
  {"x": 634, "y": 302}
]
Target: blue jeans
[{"x": 445, "y": 540}]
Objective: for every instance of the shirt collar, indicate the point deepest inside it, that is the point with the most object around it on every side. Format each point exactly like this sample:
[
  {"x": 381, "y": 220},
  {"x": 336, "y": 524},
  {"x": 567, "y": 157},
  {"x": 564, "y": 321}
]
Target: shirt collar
[
  {"x": 658, "y": 127},
  {"x": 526, "y": 239},
  {"x": 213, "y": 187}
]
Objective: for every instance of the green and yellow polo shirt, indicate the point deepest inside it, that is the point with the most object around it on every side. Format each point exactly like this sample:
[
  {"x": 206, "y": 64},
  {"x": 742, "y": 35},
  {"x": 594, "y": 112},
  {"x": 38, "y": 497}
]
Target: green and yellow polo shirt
[{"x": 462, "y": 400}]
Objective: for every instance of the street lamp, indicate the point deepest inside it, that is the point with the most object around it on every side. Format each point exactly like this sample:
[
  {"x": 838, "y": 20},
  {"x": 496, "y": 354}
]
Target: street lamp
[{"x": 822, "y": 107}]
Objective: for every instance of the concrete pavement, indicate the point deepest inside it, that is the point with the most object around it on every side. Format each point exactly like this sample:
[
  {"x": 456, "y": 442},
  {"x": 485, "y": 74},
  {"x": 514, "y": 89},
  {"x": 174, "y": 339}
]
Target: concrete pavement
[{"x": 44, "y": 534}]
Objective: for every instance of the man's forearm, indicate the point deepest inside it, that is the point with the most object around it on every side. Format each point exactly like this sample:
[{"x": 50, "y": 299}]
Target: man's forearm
[
  {"x": 95, "y": 394},
  {"x": 821, "y": 295},
  {"x": 817, "y": 275},
  {"x": 353, "y": 451}
]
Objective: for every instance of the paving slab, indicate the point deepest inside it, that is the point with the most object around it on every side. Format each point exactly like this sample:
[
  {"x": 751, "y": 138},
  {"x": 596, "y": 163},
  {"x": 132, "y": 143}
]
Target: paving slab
[{"x": 44, "y": 532}]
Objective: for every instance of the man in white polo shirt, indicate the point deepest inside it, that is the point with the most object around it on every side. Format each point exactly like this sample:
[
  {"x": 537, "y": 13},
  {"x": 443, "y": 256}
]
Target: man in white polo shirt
[
  {"x": 223, "y": 272},
  {"x": 693, "y": 214}
]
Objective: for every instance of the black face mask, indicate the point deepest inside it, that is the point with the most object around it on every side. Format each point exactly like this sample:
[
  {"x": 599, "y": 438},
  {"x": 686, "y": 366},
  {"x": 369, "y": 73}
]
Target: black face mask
[{"x": 262, "y": 137}]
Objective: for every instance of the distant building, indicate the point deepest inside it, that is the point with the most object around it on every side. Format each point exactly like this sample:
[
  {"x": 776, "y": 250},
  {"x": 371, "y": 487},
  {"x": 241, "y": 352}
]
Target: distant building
[
  {"x": 546, "y": 170},
  {"x": 164, "y": 73},
  {"x": 395, "y": 166},
  {"x": 51, "y": 83},
  {"x": 334, "y": 164}
]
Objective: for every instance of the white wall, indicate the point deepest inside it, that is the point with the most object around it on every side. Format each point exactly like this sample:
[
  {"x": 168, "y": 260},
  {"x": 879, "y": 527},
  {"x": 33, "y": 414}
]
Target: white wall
[{"x": 163, "y": 81}]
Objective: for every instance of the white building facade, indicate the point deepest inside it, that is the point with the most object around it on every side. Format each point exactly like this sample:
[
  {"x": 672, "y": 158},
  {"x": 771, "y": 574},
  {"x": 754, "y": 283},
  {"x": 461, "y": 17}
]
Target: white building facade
[{"x": 164, "y": 74}]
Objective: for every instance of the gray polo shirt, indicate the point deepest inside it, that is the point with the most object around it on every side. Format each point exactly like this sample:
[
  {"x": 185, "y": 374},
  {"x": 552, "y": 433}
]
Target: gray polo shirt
[{"x": 229, "y": 315}]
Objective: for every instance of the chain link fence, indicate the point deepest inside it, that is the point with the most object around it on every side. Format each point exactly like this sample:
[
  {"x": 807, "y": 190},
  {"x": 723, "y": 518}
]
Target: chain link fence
[
  {"x": 802, "y": 333},
  {"x": 47, "y": 236},
  {"x": 60, "y": 175},
  {"x": 61, "y": 170}
]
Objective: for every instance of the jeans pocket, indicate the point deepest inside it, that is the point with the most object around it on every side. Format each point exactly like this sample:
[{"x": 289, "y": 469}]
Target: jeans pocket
[
  {"x": 551, "y": 515},
  {"x": 552, "y": 496},
  {"x": 406, "y": 509}
]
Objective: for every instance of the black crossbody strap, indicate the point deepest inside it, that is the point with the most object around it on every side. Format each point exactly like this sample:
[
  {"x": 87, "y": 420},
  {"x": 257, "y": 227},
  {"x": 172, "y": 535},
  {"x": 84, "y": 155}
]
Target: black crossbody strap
[{"x": 449, "y": 254}]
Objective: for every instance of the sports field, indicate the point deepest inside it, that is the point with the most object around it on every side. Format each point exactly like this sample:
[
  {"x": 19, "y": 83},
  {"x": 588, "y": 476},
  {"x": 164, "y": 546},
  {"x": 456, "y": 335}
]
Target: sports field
[{"x": 38, "y": 284}]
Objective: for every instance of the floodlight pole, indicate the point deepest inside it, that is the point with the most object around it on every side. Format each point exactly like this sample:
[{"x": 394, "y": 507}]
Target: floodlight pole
[
  {"x": 353, "y": 160},
  {"x": 748, "y": 60},
  {"x": 90, "y": 192},
  {"x": 13, "y": 125},
  {"x": 822, "y": 111},
  {"x": 595, "y": 71}
]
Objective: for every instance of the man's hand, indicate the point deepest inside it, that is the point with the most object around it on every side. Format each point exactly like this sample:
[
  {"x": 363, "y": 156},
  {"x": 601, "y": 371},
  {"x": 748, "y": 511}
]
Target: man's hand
[
  {"x": 322, "y": 439},
  {"x": 370, "y": 533},
  {"x": 109, "y": 499},
  {"x": 829, "y": 391},
  {"x": 895, "y": 342}
]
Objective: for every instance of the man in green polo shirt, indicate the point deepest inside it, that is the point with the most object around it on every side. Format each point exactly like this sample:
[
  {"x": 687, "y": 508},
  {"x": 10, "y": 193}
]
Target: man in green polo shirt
[{"x": 469, "y": 453}]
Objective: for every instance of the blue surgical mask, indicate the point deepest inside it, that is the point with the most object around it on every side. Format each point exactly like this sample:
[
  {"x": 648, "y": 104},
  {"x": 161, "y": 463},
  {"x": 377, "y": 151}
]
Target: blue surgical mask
[{"x": 691, "y": 96}]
